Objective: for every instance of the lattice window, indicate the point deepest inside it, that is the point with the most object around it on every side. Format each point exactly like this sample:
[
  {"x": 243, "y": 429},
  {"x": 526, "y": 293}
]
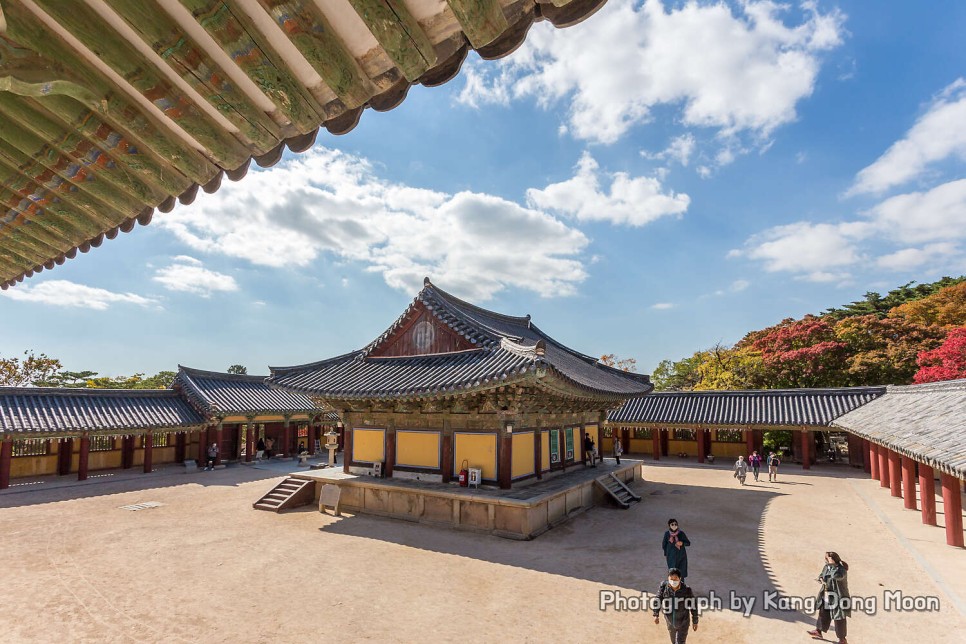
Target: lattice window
[
  {"x": 643, "y": 433},
  {"x": 608, "y": 432},
  {"x": 31, "y": 447},
  {"x": 684, "y": 435},
  {"x": 102, "y": 443},
  {"x": 161, "y": 440},
  {"x": 729, "y": 436}
]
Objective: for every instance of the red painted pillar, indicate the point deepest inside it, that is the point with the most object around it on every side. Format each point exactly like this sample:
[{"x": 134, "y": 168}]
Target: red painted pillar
[
  {"x": 874, "y": 460},
  {"x": 219, "y": 435},
  {"x": 883, "y": 466},
  {"x": 702, "y": 447},
  {"x": 626, "y": 439},
  {"x": 179, "y": 447},
  {"x": 148, "y": 440},
  {"x": 448, "y": 454},
  {"x": 895, "y": 474},
  {"x": 538, "y": 451},
  {"x": 65, "y": 454},
  {"x": 749, "y": 443},
  {"x": 908, "y": 483},
  {"x": 583, "y": 453},
  {"x": 656, "y": 443},
  {"x": 287, "y": 434},
  {"x": 312, "y": 438},
  {"x": 866, "y": 453},
  {"x": 85, "y": 450},
  {"x": 6, "y": 458},
  {"x": 953, "y": 510},
  {"x": 391, "y": 452},
  {"x": 347, "y": 455},
  {"x": 806, "y": 452},
  {"x": 927, "y": 492},
  {"x": 249, "y": 441},
  {"x": 504, "y": 473}
]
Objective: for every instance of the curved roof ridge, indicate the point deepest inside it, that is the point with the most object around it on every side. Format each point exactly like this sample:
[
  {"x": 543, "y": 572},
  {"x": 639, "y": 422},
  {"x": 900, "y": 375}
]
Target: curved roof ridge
[
  {"x": 449, "y": 298},
  {"x": 939, "y": 385},
  {"x": 277, "y": 371},
  {"x": 799, "y": 391},
  {"x": 84, "y": 391},
  {"x": 220, "y": 374},
  {"x": 583, "y": 356}
]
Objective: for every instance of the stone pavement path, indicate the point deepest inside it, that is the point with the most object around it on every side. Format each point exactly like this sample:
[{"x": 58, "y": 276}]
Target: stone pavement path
[{"x": 204, "y": 564}]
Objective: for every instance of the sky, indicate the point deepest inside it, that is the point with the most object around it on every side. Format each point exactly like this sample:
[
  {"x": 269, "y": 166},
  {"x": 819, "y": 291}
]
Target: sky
[{"x": 659, "y": 178}]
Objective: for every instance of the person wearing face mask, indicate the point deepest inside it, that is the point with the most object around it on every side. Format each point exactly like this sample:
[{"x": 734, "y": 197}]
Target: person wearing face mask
[
  {"x": 833, "y": 598},
  {"x": 676, "y": 600},
  {"x": 675, "y": 548}
]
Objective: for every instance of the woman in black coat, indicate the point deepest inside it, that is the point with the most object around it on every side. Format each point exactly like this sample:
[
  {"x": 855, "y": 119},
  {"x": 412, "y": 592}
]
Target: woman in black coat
[
  {"x": 674, "y": 545},
  {"x": 833, "y": 598}
]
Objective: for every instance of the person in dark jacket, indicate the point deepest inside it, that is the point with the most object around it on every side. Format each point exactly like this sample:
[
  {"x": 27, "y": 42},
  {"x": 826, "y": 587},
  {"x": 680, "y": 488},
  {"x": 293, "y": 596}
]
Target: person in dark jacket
[
  {"x": 674, "y": 545},
  {"x": 835, "y": 589},
  {"x": 676, "y": 601}
]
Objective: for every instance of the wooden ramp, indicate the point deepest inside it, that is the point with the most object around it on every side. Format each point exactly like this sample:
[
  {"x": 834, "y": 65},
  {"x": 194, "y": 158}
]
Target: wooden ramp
[
  {"x": 290, "y": 493},
  {"x": 617, "y": 490}
]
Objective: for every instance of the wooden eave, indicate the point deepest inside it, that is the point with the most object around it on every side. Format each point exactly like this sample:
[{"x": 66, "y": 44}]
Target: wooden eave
[{"x": 111, "y": 110}]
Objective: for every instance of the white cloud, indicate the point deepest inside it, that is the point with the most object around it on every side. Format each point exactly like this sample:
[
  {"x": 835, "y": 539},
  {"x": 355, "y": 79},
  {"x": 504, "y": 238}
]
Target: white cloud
[
  {"x": 679, "y": 149},
  {"x": 325, "y": 201},
  {"x": 935, "y": 218},
  {"x": 740, "y": 70},
  {"x": 911, "y": 258},
  {"x": 940, "y": 133},
  {"x": 188, "y": 275},
  {"x": 70, "y": 294},
  {"x": 630, "y": 200},
  {"x": 662, "y": 306}
]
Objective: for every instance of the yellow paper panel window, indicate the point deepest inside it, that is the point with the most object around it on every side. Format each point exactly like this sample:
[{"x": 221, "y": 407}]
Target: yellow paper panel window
[
  {"x": 545, "y": 450},
  {"x": 417, "y": 449},
  {"x": 522, "y": 455},
  {"x": 594, "y": 432},
  {"x": 479, "y": 450},
  {"x": 368, "y": 445}
]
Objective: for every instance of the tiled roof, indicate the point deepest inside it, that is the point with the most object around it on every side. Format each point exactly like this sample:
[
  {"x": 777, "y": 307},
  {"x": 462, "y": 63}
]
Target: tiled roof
[
  {"x": 41, "y": 410},
  {"x": 770, "y": 407},
  {"x": 221, "y": 394},
  {"x": 509, "y": 349},
  {"x": 114, "y": 110},
  {"x": 924, "y": 422}
]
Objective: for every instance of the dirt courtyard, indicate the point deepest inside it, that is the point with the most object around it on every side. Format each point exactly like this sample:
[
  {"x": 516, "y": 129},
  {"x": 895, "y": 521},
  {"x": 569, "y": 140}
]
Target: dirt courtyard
[{"x": 205, "y": 565}]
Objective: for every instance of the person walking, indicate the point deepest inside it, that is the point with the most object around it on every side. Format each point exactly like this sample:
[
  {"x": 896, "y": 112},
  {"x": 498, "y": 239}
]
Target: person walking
[
  {"x": 212, "y": 455},
  {"x": 675, "y": 545},
  {"x": 773, "y": 463},
  {"x": 833, "y": 598},
  {"x": 741, "y": 469},
  {"x": 269, "y": 444},
  {"x": 589, "y": 450},
  {"x": 260, "y": 449},
  {"x": 676, "y": 600},
  {"x": 618, "y": 448},
  {"x": 755, "y": 461}
]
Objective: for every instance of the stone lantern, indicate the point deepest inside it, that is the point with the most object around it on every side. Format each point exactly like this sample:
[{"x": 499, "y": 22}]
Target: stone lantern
[{"x": 332, "y": 444}]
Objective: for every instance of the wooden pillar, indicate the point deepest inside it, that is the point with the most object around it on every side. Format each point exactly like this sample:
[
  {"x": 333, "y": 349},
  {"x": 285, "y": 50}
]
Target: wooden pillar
[
  {"x": 204, "y": 439},
  {"x": 390, "y": 449},
  {"x": 908, "y": 483},
  {"x": 562, "y": 446},
  {"x": 347, "y": 455},
  {"x": 250, "y": 440},
  {"x": 883, "y": 452},
  {"x": 626, "y": 439},
  {"x": 287, "y": 437},
  {"x": 953, "y": 510},
  {"x": 85, "y": 450},
  {"x": 927, "y": 494},
  {"x": 806, "y": 451},
  {"x": 148, "y": 440},
  {"x": 867, "y": 456},
  {"x": 179, "y": 446},
  {"x": 538, "y": 452},
  {"x": 702, "y": 448},
  {"x": 749, "y": 443},
  {"x": 583, "y": 453},
  {"x": 447, "y": 464},
  {"x": 874, "y": 460},
  {"x": 219, "y": 435},
  {"x": 895, "y": 474},
  {"x": 760, "y": 442},
  {"x": 127, "y": 452},
  {"x": 504, "y": 468},
  {"x": 6, "y": 459},
  {"x": 65, "y": 453},
  {"x": 656, "y": 443}
]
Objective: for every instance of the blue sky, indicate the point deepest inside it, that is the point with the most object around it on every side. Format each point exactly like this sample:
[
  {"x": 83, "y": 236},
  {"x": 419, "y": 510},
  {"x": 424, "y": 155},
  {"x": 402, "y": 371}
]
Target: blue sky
[{"x": 659, "y": 178}]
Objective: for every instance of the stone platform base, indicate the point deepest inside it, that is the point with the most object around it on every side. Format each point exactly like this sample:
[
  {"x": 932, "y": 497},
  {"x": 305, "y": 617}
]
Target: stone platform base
[{"x": 521, "y": 513}]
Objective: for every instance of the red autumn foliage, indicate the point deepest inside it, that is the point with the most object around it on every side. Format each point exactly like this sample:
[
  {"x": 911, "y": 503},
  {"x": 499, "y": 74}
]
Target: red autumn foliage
[{"x": 948, "y": 362}]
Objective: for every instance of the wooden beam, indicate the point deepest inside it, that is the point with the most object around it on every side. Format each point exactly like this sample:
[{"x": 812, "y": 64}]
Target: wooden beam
[
  {"x": 398, "y": 32},
  {"x": 88, "y": 27},
  {"x": 237, "y": 35},
  {"x": 190, "y": 61},
  {"x": 303, "y": 23},
  {"x": 482, "y": 20}
]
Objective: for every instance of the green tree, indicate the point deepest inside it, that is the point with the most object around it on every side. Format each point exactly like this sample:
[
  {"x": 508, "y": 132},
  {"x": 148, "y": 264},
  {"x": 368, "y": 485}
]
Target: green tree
[
  {"x": 677, "y": 376},
  {"x": 29, "y": 370},
  {"x": 241, "y": 370}
]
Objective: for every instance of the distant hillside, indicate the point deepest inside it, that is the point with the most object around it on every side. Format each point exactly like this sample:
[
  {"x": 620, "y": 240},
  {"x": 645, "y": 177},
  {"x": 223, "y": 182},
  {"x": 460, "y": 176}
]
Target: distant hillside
[{"x": 875, "y": 341}]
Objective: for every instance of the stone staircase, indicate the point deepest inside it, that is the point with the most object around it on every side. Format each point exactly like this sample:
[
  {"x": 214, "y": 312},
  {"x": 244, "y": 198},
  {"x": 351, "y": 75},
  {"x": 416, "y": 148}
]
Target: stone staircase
[
  {"x": 290, "y": 493},
  {"x": 617, "y": 490}
]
